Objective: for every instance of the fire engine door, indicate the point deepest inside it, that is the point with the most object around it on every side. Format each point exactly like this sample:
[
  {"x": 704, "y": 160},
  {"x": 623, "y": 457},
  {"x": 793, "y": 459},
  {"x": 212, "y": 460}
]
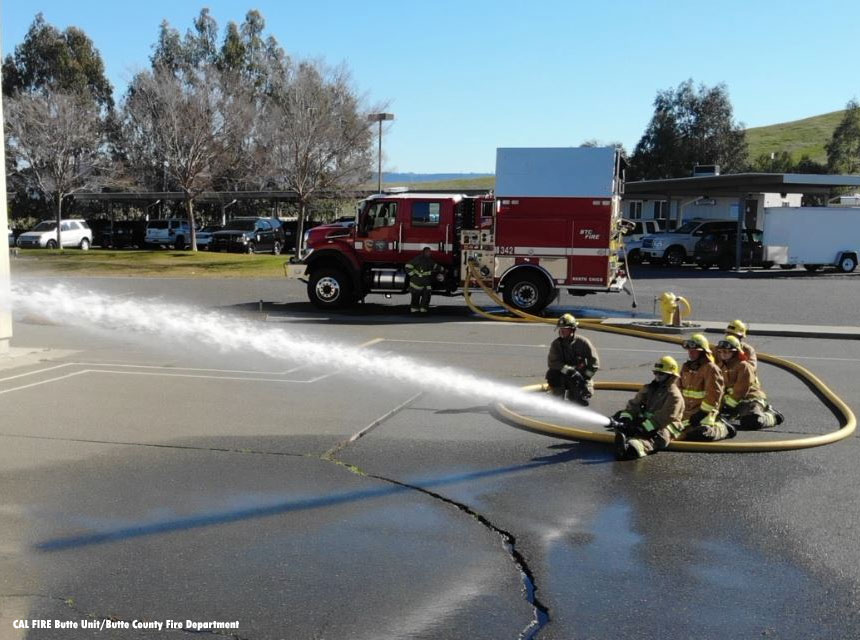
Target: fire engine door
[
  {"x": 429, "y": 224},
  {"x": 379, "y": 231}
]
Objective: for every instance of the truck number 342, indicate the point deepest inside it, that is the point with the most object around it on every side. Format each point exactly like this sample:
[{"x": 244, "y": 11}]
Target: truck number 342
[{"x": 506, "y": 251}]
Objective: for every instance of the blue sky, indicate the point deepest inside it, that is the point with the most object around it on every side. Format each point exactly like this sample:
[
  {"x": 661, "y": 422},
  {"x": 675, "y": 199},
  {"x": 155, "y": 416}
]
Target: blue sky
[{"x": 466, "y": 77}]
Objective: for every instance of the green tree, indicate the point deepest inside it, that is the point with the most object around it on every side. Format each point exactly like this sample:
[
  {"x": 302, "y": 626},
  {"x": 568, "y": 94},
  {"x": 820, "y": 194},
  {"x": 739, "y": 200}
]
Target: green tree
[
  {"x": 689, "y": 126},
  {"x": 843, "y": 150},
  {"x": 53, "y": 60}
]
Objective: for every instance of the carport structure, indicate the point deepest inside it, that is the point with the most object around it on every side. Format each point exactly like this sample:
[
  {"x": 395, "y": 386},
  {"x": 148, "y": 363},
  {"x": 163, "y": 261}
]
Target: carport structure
[{"x": 741, "y": 186}]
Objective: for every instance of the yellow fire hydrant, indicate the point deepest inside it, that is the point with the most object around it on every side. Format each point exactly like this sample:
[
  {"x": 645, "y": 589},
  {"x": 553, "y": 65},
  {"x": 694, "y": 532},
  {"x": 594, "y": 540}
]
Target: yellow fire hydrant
[{"x": 670, "y": 309}]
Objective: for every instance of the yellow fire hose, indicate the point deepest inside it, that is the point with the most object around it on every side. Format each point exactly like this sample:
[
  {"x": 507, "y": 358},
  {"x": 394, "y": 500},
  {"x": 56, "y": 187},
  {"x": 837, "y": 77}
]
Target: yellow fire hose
[{"x": 847, "y": 421}]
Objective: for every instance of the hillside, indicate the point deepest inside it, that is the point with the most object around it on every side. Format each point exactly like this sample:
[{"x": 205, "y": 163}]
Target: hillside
[{"x": 800, "y": 137}]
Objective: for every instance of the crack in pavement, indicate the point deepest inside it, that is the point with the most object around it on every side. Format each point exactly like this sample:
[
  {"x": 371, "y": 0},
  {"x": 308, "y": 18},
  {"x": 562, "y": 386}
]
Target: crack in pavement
[
  {"x": 540, "y": 612},
  {"x": 156, "y": 445},
  {"x": 329, "y": 455}
]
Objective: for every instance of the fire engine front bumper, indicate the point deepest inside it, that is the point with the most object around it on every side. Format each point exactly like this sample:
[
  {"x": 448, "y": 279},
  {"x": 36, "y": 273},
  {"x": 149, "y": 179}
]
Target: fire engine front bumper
[{"x": 295, "y": 271}]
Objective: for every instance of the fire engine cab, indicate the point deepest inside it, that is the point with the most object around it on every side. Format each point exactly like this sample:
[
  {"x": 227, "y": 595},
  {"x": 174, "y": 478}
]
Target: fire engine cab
[{"x": 553, "y": 223}]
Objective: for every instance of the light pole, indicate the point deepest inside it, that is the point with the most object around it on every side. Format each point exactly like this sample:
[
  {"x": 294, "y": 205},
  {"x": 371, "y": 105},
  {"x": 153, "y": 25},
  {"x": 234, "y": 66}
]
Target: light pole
[
  {"x": 163, "y": 188},
  {"x": 379, "y": 117}
]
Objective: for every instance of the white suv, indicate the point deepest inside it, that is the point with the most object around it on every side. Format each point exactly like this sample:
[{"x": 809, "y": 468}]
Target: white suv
[
  {"x": 174, "y": 231},
  {"x": 675, "y": 247},
  {"x": 74, "y": 233}
]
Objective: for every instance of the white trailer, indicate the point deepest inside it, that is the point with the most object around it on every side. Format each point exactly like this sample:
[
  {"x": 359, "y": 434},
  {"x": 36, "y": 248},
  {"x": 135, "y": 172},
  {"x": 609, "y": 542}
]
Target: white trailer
[{"x": 812, "y": 236}]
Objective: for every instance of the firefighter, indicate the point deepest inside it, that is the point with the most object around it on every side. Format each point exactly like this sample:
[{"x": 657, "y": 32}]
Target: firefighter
[
  {"x": 738, "y": 329},
  {"x": 420, "y": 270},
  {"x": 744, "y": 400},
  {"x": 653, "y": 417},
  {"x": 572, "y": 363},
  {"x": 701, "y": 384}
]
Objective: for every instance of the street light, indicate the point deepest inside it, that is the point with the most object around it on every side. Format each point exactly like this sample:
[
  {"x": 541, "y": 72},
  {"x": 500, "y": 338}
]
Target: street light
[
  {"x": 163, "y": 188},
  {"x": 379, "y": 117}
]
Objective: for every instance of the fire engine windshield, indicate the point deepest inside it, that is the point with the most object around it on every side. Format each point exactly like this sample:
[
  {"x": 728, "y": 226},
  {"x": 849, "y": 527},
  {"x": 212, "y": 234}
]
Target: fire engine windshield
[{"x": 379, "y": 214}]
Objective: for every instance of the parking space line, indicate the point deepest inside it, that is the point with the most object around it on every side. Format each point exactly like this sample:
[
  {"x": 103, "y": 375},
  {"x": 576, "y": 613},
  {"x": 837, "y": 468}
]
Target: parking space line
[
  {"x": 36, "y": 384},
  {"x": 32, "y": 373},
  {"x": 202, "y": 377},
  {"x": 155, "y": 366}
]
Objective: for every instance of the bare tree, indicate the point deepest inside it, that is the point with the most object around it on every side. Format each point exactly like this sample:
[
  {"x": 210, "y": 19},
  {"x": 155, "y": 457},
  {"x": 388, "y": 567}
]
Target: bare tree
[
  {"x": 318, "y": 136},
  {"x": 189, "y": 123},
  {"x": 59, "y": 144}
]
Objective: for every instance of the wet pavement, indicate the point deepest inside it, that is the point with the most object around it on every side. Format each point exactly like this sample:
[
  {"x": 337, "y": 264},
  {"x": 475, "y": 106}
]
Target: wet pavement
[{"x": 147, "y": 480}]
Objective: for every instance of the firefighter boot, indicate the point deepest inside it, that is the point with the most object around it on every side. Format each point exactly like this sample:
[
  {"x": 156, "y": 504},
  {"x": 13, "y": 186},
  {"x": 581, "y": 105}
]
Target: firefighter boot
[{"x": 620, "y": 445}]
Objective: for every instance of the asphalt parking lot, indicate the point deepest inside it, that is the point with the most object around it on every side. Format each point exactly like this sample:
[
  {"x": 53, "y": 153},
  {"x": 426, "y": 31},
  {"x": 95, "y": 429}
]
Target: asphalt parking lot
[{"x": 148, "y": 479}]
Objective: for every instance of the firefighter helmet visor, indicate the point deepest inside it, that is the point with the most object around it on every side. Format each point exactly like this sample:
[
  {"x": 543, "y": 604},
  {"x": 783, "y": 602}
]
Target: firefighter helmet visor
[
  {"x": 697, "y": 341},
  {"x": 567, "y": 321},
  {"x": 729, "y": 342}
]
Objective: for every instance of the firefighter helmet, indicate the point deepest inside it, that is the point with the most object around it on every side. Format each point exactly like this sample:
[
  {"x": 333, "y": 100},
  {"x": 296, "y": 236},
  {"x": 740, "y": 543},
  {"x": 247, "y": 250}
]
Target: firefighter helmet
[
  {"x": 697, "y": 341},
  {"x": 737, "y": 328},
  {"x": 567, "y": 321},
  {"x": 729, "y": 342},
  {"x": 667, "y": 364}
]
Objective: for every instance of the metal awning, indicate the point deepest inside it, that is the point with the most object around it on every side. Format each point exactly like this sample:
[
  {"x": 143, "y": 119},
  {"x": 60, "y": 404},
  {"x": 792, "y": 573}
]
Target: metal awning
[{"x": 741, "y": 184}]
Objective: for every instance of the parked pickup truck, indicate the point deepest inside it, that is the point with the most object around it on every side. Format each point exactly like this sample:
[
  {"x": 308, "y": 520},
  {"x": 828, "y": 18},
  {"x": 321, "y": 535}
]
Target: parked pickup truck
[
  {"x": 636, "y": 230},
  {"x": 674, "y": 248}
]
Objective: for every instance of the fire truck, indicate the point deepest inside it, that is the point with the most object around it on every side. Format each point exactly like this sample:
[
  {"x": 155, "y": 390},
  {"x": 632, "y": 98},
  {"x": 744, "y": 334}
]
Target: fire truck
[{"x": 553, "y": 223}]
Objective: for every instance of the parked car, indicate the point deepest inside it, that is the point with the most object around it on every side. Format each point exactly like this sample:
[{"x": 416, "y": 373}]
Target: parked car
[
  {"x": 74, "y": 233},
  {"x": 674, "y": 248},
  {"x": 125, "y": 233},
  {"x": 637, "y": 229},
  {"x": 249, "y": 235},
  {"x": 719, "y": 249},
  {"x": 204, "y": 236},
  {"x": 175, "y": 232}
]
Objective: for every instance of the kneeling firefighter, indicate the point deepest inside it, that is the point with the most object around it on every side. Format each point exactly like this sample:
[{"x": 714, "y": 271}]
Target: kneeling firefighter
[
  {"x": 701, "y": 384},
  {"x": 739, "y": 330},
  {"x": 572, "y": 363},
  {"x": 653, "y": 417},
  {"x": 744, "y": 401}
]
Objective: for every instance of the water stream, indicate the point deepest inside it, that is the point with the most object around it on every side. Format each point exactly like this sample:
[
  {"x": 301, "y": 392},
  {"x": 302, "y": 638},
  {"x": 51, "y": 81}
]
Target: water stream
[{"x": 226, "y": 333}]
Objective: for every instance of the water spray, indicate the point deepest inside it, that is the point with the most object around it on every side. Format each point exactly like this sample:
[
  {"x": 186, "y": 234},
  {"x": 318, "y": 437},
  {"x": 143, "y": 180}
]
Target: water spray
[{"x": 86, "y": 309}]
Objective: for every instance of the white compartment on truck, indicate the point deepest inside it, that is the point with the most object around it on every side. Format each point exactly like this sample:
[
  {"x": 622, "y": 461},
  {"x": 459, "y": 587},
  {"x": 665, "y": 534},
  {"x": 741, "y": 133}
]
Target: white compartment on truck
[{"x": 812, "y": 236}]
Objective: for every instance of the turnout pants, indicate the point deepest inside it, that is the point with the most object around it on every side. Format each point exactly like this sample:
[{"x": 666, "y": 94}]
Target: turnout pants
[
  {"x": 646, "y": 445},
  {"x": 710, "y": 429},
  {"x": 420, "y": 297},
  {"x": 755, "y": 414}
]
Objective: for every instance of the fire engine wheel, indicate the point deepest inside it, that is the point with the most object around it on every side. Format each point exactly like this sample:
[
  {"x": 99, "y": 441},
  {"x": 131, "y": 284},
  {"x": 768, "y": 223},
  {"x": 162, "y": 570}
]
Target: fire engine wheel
[
  {"x": 330, "y": 289},
  {"x": 526, "y": 292}
]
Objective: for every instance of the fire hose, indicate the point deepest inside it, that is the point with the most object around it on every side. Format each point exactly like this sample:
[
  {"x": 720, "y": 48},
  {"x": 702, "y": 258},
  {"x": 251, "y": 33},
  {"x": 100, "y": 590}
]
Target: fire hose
[{"x": 844, "y": 415}]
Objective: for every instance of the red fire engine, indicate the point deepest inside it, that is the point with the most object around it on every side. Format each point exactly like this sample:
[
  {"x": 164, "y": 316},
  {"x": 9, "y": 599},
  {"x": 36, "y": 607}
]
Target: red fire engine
[{"x": 553, "y": 223}]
